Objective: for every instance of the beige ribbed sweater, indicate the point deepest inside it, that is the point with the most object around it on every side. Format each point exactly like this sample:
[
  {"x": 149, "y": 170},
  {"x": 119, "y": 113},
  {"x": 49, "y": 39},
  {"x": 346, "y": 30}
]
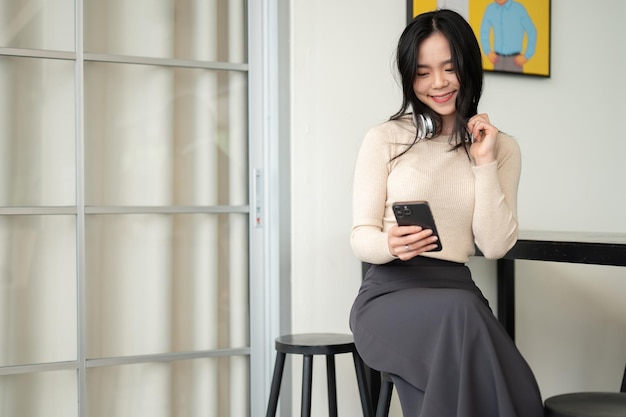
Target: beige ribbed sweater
[{"x": 471, "y": 204}]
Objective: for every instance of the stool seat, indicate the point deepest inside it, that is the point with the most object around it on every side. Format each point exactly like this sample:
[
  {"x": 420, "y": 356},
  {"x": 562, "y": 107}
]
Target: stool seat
[
  {"x": 587, "y": 404},
  {"x": 315, "y": 343},
  {"x": 309, "y": 345}
]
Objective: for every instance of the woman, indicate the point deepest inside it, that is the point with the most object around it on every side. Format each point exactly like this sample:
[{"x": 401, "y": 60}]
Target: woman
[{"x": 418, "y": 314}]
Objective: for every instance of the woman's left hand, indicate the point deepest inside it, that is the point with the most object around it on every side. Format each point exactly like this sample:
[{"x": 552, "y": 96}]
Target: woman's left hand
[{"x": 483, "y": 150}]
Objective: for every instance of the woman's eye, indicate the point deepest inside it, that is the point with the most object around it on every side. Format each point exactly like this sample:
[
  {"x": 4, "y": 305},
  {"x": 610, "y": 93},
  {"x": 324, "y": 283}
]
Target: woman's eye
[
  {"x": 422, "y": 74},
  {"x": 450, "y": 70}
]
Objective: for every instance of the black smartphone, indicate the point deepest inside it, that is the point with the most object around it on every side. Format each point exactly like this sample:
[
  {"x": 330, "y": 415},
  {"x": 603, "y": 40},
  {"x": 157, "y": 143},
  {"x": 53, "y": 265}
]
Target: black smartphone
[{"x": 416, "y": 213}]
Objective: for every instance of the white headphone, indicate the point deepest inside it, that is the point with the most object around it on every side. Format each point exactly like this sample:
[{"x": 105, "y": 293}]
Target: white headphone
[{"x": 425, "y": 125}]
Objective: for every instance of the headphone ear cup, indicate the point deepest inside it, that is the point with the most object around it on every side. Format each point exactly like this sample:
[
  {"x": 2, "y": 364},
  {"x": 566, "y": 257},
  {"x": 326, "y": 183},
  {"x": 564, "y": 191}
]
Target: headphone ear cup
[
  {"x": 425, "y": 126},
  {"x": 420, "y": 124},
  {"x": 429, "y": 127}
]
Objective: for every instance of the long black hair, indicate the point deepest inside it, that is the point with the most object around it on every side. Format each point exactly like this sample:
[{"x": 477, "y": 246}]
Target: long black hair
[{"x": 466, "y": 59}]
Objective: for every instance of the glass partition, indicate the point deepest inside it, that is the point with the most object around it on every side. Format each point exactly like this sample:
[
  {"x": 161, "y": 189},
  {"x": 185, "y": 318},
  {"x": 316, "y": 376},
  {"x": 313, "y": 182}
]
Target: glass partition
[{"x": 124, "y": 212}]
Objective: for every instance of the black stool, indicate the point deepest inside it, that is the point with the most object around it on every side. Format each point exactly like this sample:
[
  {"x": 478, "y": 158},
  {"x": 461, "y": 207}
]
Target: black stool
[
  {"x": 588, "y": 404},
  {"x": 308, "y": 345},
  {"x": 384, "y": 399}
]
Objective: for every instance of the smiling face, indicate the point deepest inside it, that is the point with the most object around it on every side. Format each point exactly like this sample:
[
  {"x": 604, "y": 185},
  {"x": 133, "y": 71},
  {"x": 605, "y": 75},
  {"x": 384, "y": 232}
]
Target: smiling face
[{"x": 436, "y": 83}]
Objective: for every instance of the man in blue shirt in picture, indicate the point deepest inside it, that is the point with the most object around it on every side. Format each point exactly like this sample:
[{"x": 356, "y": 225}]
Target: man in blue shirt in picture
[{"x": 509, "y": 21}]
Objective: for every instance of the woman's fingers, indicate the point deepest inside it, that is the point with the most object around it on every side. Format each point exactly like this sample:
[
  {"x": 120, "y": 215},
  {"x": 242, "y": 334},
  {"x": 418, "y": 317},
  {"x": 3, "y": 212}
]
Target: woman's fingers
[
  {"x": 480, "y": 126},
  {"x": 406, "y": 242}
]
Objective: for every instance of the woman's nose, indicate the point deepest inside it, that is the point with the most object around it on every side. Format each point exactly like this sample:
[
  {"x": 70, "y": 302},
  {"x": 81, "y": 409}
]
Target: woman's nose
[{"x": 439, "y": 80}]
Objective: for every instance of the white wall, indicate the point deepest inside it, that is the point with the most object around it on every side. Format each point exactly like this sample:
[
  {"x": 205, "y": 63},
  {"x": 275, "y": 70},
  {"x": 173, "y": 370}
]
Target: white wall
[
  {"x": 571, "y": 324},
  {"x": 568, "y": 125}
]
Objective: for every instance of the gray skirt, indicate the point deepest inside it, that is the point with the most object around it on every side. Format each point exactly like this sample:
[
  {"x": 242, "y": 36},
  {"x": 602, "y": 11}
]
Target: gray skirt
[{"x": 426, "y": 323}]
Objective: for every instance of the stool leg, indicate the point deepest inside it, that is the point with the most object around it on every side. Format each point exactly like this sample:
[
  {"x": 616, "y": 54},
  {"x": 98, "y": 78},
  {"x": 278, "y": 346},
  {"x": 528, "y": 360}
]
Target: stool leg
[
  {"x": 307, "y": 382},
  {"x": 361, "y": 379},
  {"x": 276, "y": 381},
  {"x": 373, "y": 379},
  {"x": 332, "y": 385},
  {"x": 384, "y": 401}
]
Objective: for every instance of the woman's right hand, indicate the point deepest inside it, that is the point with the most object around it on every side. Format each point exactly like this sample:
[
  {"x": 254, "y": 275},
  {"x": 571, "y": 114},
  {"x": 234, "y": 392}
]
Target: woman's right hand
[{"x": 406, "y": 242}]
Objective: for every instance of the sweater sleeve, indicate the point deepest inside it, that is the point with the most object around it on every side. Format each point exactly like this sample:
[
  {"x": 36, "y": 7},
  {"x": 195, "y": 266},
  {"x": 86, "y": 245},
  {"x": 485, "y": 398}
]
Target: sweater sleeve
[
  {"x": 495, "y": 223},
  {"x": 368, "y": 240}
]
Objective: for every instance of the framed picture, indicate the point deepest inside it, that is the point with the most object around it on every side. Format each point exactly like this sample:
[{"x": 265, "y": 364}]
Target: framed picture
[{"x": 514, "y": 35}]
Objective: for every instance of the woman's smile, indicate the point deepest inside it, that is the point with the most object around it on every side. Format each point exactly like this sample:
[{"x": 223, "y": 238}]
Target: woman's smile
[{"x": 443, "y": 98}]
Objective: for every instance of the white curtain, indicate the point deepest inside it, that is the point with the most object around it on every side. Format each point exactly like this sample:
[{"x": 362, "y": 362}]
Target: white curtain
[
  {"x": 239, "y": 225},
  {"x": 196, "y": 383},
  {"x": 38, "y": 311},
  {"x": 129, "y": 275},
  {"x": 193, "y": 149}
]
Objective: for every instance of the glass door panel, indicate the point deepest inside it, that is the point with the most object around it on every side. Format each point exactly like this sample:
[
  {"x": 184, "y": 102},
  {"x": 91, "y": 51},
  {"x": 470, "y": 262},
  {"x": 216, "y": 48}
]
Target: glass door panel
[
  {"x": 37, "y": 132},
  {"x": 41, "y": 394},
  {"x": 202, "y": 30},
  {"x": 37, "y": 24},
  {"x": 213, "y": 386},
  {"x": 38, "y": 289},
  {"x": 163, "y": 136},
  {"x": 166, "y": 283}
]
